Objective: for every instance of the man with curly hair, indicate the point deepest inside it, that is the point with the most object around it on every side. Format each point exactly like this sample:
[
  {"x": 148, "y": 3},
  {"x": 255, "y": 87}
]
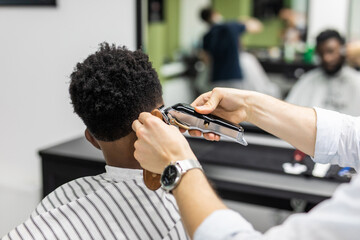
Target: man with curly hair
[{"x": 109, "y": 90}]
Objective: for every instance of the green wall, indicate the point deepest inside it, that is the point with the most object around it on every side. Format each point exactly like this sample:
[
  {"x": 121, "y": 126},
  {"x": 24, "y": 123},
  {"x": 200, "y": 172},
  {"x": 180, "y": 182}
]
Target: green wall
[
  {"x": 172, "y": 16},
  {"x": 269, "y": 37},
  {"x": 163, "y": 37},
  {"x": 155, "y": 44},
  {"x": 234, "y": 9}
]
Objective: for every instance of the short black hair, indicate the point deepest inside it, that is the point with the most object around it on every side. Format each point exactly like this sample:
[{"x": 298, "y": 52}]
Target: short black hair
[
  {"x": 327, "y": 34},
  {"x": 111, "y": 87},
  {"x": 205, "y": 14}
]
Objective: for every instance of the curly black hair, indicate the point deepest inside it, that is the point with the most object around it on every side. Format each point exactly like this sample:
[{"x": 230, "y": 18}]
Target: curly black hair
[
  {"x": 111, "y": 87},
  {"x": 327, "y": 34}
]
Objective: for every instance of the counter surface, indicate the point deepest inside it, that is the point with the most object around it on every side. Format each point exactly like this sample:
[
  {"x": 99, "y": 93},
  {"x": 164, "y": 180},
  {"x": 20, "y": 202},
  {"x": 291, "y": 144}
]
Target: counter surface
[{"x": 247, "y": 174}]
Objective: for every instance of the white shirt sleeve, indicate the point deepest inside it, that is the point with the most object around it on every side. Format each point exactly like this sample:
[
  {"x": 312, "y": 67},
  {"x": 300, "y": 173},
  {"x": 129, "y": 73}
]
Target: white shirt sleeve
[
  {"x": 333, "y": 219},
  {"x": 224, "y": 224},
  {"x": 337, "y": 142},
  {"x": 337, "y": 139}
]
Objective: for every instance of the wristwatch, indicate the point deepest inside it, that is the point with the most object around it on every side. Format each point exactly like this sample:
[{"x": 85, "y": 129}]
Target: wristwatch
[{"x": 172, "y": 174}]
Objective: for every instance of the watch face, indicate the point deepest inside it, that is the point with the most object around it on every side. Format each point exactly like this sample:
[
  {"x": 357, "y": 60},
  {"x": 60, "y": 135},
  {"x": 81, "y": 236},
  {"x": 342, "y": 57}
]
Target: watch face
[{"x": 169, "y": 176}]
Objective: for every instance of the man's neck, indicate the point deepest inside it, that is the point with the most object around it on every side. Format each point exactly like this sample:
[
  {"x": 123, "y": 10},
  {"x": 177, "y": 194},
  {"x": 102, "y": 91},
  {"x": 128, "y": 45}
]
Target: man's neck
[{"x": 120, "y": 153}]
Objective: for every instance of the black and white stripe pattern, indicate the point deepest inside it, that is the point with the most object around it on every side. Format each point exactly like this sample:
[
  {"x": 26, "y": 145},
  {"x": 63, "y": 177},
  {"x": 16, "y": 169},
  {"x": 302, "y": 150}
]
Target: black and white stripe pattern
[{"x": 113, "y": 205}]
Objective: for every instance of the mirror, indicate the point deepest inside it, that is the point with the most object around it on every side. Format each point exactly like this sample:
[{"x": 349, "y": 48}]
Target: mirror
[
  {"x": 173, "y": 37},
  {"x": 278, "y": 55}
]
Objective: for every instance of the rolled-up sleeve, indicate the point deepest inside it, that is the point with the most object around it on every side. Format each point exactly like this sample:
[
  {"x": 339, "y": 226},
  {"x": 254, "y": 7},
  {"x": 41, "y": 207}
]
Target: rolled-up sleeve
[
  {"x": 337, "y": 139},
  {"x": 328, "y": 128}
]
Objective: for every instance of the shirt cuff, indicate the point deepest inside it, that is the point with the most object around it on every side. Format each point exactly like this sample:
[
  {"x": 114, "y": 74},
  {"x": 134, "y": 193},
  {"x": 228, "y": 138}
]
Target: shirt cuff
[
  {"x": 222, "y": 224},
  {"x": 328, "y": 130}
]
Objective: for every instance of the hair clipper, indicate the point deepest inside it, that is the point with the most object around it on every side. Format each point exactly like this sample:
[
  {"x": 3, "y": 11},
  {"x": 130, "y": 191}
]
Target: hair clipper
[{"x": 184, "y": 116}]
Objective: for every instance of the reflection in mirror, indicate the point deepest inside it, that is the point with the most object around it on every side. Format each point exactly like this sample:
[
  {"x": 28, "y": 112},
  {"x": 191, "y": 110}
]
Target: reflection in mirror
[
  {"x": 333, "y": 84},
  {"x": 271, "y": 60},
  {"x": 173, "y": 36}
]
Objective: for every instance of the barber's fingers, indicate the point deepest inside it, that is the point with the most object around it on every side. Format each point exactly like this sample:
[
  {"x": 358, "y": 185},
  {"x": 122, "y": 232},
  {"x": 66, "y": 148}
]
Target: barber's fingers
[
  {"x": 207, "y": 136},
  {"x": 136, "y": 125},
  {"x": 182, "y": 130},
  {"x": 144, "y": 116},
  {"x": 202, "y": 99},
  {"x": 195, "y": 133},
  {"x": 211, "y": 137},
  {"x": 145, "y": 119},
  {"x": 208, "y": 101}
]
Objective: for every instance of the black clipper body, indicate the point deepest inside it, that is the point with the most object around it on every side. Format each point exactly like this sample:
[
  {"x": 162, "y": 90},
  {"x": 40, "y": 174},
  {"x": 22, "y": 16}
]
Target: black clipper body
[{"x": 184, "y": 116}]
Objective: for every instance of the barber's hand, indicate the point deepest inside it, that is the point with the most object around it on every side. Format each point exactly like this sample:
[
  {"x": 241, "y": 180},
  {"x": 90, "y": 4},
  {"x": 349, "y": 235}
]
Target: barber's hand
[
  {"x": 158, "y": 144},
  {"x": 227, "y": 103}
]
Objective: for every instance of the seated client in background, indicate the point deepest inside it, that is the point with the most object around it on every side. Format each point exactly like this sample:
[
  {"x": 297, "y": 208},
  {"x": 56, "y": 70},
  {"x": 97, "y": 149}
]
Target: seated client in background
[
  {"x": 333, "y": 85},
  {"x": 108, "y": 91}
]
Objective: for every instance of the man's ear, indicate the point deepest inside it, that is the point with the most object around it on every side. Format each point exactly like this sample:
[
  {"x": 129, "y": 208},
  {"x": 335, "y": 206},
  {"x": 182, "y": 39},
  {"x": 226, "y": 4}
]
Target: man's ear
[
  {"x": 156, "y": 112},
  {"x": 91, "y": 139}
]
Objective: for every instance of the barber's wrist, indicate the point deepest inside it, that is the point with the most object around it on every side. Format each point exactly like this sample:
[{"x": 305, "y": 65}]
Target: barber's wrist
[
  {"x": 182, "y": 153},
  {"x": 252, "y": 100},
  {"x": 188, "y": 179},
  {"x": 248, "y": 102},
  {"x": 182, "y": 157}
]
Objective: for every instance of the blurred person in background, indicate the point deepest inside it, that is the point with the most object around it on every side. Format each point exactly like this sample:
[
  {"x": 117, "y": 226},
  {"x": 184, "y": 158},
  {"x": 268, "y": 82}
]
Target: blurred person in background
[
  {"x": 295, "y": 26},
  {"x": 333, "y": 85},
  {"x": 228, "y": 65}
]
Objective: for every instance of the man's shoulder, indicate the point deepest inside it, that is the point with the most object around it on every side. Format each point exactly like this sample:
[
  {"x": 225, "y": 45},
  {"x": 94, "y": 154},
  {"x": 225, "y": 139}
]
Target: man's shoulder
[
  {"x": 81, "y": 186},
  {"x": 236, "y": 26},
  {"x": 314, "y": 73},
  {"x": 225, "y": 25},
  {"x": 305, "y": 84},
  {"x": 105, "y": 200},
  {"x": 350, "y": 72},
  {"x": 310, "y": 77},
  {"x": 100, "y": 185},
  {"x": 67, "y": 193}
]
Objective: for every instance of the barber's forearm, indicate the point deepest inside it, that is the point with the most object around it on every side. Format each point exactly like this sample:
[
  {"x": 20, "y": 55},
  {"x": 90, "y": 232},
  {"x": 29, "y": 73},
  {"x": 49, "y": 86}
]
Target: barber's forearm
[
  {"x": 196, "y": 200},
  {"x": 294, "y": 124}
]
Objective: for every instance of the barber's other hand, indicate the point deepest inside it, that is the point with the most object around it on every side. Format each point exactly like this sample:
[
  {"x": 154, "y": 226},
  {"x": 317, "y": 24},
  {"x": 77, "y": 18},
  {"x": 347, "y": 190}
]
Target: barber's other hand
[
  {"x": 158, "y": 144},
  {"x": 227, "y": 103}
]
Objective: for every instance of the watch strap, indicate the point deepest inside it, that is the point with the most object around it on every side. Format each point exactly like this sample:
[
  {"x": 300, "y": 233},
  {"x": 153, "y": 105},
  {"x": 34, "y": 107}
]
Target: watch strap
[{"x": 188, "y": 164}]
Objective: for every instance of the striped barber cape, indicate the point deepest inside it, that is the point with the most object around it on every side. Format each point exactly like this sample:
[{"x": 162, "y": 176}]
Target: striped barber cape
[{"x": 112, "y": 205}]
